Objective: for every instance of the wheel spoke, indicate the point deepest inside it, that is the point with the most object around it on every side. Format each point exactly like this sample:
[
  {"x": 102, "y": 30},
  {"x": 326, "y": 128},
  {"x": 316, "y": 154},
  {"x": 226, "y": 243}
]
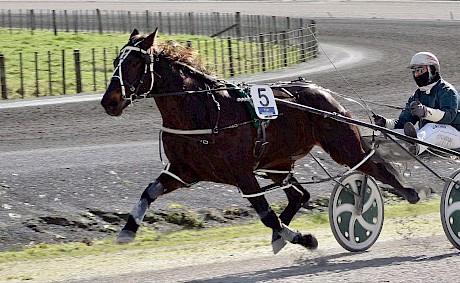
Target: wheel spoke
[
  {"x": 355, "y": 188},
  {"x": 351, "y": 229},
  {"x": 370, "y": 201},
  {"x": 346, "y": 207},
  {"x": 452, "y": 208},
  {"x": 366, "y": 225}
]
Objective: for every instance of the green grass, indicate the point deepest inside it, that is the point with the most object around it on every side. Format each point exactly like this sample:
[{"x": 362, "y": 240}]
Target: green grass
[
  {"x": 50, "y": 51},
  {"x": 48, "y": 61},
  {"x": 151, "y": 239}
]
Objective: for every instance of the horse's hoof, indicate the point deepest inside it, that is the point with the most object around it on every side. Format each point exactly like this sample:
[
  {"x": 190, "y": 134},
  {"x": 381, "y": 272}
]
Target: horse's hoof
[
  {"x": 424, "y": 193},
  {"x": 412, "y": 196},
  {"x": 307, "y": 241},
  {"x": 278, "y": 242},
  {"x": 125, "y": 237},
  {"x": 278, "y": 245}
]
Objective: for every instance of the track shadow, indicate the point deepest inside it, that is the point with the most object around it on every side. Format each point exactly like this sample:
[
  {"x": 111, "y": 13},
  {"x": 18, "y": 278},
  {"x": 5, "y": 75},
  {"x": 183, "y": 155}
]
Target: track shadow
[{"x": 317, "y": 265}]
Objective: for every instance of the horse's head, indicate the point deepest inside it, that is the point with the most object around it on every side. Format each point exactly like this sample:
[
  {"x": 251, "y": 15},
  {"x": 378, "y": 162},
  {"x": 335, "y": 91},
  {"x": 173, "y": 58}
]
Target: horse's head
[{"x": 133, "y": 74}]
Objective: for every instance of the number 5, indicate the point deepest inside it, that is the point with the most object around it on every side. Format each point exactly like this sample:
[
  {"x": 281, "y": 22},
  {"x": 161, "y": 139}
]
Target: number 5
[{"x": 266, "y": 101}]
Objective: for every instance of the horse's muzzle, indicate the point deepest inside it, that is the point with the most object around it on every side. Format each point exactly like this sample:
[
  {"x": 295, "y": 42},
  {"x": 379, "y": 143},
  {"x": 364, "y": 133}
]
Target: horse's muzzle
[{"x": 113, "y": 107}]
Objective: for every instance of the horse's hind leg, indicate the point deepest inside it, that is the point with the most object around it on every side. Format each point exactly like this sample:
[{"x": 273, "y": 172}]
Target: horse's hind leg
[
  {"x": 297, "y": 196},
  {"x": 271, "y": 220}
]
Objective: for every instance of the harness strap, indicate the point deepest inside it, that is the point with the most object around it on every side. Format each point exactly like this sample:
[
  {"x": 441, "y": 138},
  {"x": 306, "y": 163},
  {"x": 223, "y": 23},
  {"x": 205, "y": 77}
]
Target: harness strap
[
  {"x": 186, "y": 132},
  {"x": 361, "y": 163},
  {"x": 272, "y": 171},
  {"x": 266, "y": 191},
  {"x": 167, "y": 172},
  {"x": 260, "y": 143}
]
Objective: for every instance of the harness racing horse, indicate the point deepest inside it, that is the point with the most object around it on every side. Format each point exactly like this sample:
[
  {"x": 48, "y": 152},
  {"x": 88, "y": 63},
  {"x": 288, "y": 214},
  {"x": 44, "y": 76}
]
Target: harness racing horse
[{"x": 210, "y": 135}]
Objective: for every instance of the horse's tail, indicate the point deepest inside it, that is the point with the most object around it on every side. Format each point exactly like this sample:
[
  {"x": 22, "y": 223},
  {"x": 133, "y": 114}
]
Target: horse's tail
[{"x": 378, "y": 158}]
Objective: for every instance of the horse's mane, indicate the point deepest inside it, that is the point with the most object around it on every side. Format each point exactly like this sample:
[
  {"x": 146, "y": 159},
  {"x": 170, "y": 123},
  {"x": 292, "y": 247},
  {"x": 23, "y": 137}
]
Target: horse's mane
[{"x": 178, "y": 53}]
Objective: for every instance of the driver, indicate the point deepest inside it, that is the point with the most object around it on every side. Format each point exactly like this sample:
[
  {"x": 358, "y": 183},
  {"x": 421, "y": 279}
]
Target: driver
[{"x": 435, "y": 105}]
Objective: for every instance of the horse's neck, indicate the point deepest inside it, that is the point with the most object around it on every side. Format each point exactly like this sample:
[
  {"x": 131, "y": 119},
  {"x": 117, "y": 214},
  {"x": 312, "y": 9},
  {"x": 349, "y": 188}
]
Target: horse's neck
[{"x": 185, "y": 109}]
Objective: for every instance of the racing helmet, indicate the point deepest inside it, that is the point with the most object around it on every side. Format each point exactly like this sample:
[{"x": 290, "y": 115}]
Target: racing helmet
[{"x": 427, "y": 59}]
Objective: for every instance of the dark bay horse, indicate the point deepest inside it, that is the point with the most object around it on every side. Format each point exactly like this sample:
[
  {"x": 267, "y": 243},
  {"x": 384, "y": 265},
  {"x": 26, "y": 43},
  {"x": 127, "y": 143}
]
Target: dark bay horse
[{"x": 209, "y": 133}]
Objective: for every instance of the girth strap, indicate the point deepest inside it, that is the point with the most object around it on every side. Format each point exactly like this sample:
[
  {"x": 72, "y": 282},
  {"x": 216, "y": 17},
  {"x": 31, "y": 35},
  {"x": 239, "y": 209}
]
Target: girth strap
[{"x": 186, "y": 132}]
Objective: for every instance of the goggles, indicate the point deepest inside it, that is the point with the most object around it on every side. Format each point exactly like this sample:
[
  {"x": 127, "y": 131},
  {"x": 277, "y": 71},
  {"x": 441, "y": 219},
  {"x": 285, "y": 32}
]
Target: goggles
[{"x": 416, "y": 71}]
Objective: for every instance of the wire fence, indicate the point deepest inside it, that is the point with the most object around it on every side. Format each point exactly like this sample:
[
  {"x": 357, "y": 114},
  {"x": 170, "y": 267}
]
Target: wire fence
[
  {"x": 237, "y": 45},
  {"x": 104, "y": 21}
]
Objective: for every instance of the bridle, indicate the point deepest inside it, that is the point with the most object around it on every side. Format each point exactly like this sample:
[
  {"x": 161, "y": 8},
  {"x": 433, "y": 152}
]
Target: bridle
[{"x": 149, "y": 58}]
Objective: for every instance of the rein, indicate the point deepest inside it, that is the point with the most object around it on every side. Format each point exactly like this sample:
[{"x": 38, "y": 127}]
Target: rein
[{"x": 154, "y": 95}]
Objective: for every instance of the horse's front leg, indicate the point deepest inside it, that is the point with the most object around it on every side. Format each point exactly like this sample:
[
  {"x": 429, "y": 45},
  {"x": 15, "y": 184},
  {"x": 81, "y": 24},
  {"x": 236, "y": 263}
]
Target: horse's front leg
[{"x": 151, "y": 193}]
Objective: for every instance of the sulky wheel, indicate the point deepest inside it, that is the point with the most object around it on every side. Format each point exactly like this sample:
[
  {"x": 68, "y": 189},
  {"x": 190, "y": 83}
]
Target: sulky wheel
[
  {"x": 450, "y": 209},
  {"x": 356, "y": 216}
]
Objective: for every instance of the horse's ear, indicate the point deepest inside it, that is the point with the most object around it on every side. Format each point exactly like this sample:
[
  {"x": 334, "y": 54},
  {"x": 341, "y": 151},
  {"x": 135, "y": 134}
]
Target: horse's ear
[
  {"x": 149, "y": 40},
  {"x": 134, "y": 33}
]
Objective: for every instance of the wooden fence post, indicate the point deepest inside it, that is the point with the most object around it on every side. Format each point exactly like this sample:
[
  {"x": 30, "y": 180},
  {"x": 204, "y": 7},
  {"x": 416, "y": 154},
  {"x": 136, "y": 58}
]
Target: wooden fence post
[
  {"x": 214, "y": 47},
  {"x": 3, "y": 77},
  {"x": 10, "y": 21},
  {"x": 37, "y": 89},
  {"x": 285, "y": 57},
  {"x": 3, "y": 19},
  {"x": 63, "y": 72},
  {"x": 274, "y": 24},
  {"x": 93, "y": 51},
  {"x": 130, "y": 23},
  {"x": 99, "y": 21},
  {"x": 230, "y": 57},
  {"x": 21, "y": 75},
  {"x": 105, "y": 66},
  {"x": 313, "y": 32},
  {"x": 160, "y": 22},
  {"x": 191, "y": 24},
  {"x": 238, "y": 54},
  {"x": 222, "y": 53},
  {"x": 258, "y": 25},
  {"x": 75, "y": 21},
  {"x": 76, "y": 54},
  {"x": 54, "y": 22},
  {"x": 32, "y": 22},
  {"x": 262, "y": 52},
  {"x": 50, "y": 81},
  {"x": 66, "y": 19},
  {"x": 169, "y": 23},
  {"x": 238, "y": 24},
  {"x": 251, "y": 54},
  {"x": 303, "y": 58}
]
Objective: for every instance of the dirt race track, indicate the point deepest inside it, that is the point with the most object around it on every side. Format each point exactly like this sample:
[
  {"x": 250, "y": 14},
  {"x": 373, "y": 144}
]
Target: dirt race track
[{"x": 70, "y": 172}]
